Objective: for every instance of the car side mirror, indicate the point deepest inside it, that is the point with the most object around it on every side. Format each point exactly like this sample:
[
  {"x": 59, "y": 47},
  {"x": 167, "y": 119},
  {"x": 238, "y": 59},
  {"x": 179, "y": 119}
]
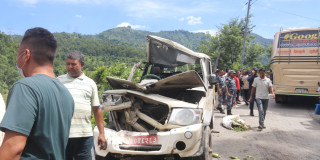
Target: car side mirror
[{"x": 212, "y": 79}]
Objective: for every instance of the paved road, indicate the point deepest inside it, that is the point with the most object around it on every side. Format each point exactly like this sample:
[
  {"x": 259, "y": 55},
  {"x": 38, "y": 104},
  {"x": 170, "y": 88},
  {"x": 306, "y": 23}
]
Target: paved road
[{"x": 293, "y": 132}]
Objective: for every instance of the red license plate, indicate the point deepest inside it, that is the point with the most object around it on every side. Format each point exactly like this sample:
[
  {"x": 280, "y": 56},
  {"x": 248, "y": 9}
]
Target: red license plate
[{"x": 141, "y": 140}]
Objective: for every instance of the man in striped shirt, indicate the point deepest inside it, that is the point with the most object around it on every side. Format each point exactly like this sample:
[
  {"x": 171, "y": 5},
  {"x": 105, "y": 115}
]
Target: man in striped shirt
[{"x": 85, "y": 94}]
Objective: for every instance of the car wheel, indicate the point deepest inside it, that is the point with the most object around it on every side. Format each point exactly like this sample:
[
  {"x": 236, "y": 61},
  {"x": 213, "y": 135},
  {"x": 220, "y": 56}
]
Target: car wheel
[
  {"x": 99, "y": 158},
  {"x": 108, "y": 157},
  {"x": 207, "y": 145},
  {"x": 212, "y": 121}
]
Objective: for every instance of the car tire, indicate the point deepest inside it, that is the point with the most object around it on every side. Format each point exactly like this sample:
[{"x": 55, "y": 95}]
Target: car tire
[
  {"x": 108, "y": 157},
  {"x": 207, "y": 145},
  {"x": 212, "y": 121},
  {"x": 99, "y": 158}
]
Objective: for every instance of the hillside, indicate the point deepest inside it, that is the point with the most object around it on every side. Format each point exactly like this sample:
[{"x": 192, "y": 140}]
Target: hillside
[
  {"x": 122, "y": 44},
  {"x": 136, "y": 38},
  {"x": 263, "y": 41}
]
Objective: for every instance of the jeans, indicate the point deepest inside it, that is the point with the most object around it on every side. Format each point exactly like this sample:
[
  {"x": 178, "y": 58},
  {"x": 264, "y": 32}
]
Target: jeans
[
  {"x": 238, "y": 95},
  {"x": 262, "y": 105},
  {"x": 81, "y": 148}
]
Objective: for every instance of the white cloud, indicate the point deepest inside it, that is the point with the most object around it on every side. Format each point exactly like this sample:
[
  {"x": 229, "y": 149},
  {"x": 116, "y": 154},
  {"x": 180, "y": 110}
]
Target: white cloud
[
  {"x": 78, "y": 16},
  {"x": 192, "y": 20},
  {"x": 181, "y": 19},
  {"x": 126, "y": 24},
  {"x": 62, "y": 1},
  {"x": 295, "y": 27},
  {"x": 212, "y": 32},
  {"x": 30, "y": 1}
]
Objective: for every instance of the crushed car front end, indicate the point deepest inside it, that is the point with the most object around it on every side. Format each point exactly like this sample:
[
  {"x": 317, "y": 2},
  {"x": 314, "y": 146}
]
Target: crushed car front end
[
  {"x": 184, "y": 141},
  {"x": 169, "y": 112},
  {"x": 152, "y": 124}
]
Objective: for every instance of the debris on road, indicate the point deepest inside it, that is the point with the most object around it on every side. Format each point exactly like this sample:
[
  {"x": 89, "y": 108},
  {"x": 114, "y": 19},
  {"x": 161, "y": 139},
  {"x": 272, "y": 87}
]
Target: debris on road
[
  {"x": 234, "y": 122},
  {"x": 234, "y": 158},
  {"x": 216, "y": 155}
]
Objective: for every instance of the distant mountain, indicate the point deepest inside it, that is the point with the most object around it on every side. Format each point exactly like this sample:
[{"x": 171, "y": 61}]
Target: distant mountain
[
  {"x": 263, "y": 41},
  {"x": 137, "y": 38},
  {"x": 126, "y": 36}
]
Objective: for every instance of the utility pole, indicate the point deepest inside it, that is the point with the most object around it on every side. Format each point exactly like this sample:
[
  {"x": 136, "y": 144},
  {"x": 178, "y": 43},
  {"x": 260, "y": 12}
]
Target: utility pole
[
  {"x": 217, "y": 60},
  {"x": 245, "y": 36}
]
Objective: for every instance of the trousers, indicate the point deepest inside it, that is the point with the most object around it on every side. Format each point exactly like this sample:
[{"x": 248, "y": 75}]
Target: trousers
[
  {"x": 221, "y": 98},
  {"x": 262, "y": 105},
  {"x": 230, "y": 100}
]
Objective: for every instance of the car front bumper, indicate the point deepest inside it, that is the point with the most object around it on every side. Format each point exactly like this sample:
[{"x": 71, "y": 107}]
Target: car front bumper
[{"x": 175, "y": 141}]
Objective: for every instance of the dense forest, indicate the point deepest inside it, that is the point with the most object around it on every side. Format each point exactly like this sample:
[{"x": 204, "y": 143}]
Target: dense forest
[
  {"x": 136, "y": 38},
  {"x": 111, "y": 52}
]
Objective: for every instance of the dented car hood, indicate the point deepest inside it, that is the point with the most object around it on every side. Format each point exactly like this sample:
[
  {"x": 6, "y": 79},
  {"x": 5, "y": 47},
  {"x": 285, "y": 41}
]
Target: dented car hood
[
  {"x": 154, "y": 98},
  {"x": 185, "y": 80}
]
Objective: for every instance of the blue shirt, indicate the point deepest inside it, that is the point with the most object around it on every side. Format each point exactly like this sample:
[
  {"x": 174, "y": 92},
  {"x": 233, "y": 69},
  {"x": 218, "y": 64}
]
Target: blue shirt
[
  {"x": 221, "y": 82},
  {"x": 231, "y": 84}
]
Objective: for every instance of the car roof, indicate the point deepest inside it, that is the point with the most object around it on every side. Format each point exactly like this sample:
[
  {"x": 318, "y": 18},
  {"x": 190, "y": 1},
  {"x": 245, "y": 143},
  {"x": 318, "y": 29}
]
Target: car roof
[{"x": 176, "y": 49}]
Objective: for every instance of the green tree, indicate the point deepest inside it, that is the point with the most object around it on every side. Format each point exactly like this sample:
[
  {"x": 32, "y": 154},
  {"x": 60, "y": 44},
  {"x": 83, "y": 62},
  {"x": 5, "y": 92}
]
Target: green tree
[
  {"x": 228, "y": 42},
  {"x": 120, "y": 70},
  {"x": 8, "y": 72}
]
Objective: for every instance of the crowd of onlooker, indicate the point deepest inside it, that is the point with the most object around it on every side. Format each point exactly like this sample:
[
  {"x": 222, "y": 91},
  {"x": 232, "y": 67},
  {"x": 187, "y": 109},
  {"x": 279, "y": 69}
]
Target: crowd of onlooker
[{"x": 235, "y": 86}]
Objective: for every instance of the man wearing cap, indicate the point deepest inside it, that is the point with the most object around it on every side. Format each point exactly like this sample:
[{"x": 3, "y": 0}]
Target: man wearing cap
[
  {"x": 221, "y": 89},
  {"x": 230, "y": 90},
  {"x": 261, "y": 87},
  {"x": 250, "y": 80}
]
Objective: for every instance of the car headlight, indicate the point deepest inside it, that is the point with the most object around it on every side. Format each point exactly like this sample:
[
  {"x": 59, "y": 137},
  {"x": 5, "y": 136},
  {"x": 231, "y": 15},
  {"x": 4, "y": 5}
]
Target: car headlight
[{"x": 184, "y": 117}]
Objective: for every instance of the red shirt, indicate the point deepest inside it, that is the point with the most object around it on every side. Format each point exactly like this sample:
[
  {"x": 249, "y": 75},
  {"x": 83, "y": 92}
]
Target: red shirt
[{"x": 237, "y": 82}]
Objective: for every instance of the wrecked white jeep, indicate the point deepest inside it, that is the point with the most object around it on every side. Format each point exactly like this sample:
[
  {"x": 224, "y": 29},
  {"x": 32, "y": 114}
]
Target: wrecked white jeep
[{"x": 169, "y": 113}]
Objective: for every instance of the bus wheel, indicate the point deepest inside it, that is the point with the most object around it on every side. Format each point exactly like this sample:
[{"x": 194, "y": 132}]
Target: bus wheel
[
  {"x": 281, "y": 98},
  {"x": 277, "y": 98}
]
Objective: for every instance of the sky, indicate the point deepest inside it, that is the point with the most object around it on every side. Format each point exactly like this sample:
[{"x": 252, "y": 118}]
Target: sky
[{"x": 96, "y": 16}]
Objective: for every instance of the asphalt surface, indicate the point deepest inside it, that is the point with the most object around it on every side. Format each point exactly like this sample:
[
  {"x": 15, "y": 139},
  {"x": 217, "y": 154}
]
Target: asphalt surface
[{"x": 292, "y": 132}]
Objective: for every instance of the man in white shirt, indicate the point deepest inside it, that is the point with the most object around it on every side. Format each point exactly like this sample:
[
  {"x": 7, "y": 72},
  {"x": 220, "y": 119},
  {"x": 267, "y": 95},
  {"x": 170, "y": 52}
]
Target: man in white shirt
[
  {"x": 85, "y": 94},
  {"x": 261, "y": 87}
]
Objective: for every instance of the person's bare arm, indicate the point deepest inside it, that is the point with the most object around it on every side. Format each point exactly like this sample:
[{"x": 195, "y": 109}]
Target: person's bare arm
[
  {"x": 253, "y": 90},
  {"x": 13, "y": 145},
  {"x": 228, "y": 94},
  {"x": 219, "y": 90},
  {"x": 271, "y": 91},
  {"x": 98, "y": 116}
]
